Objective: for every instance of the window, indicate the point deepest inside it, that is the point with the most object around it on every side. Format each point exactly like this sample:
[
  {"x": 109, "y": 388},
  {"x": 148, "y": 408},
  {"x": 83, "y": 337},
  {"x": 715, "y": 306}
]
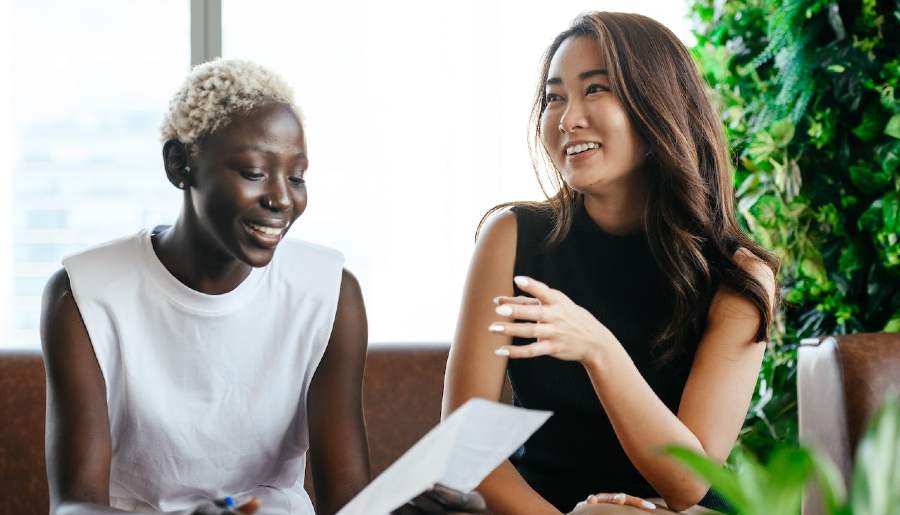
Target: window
[
  {"x": 416, "y": 114},
  {"x": 90, "y": 81}
]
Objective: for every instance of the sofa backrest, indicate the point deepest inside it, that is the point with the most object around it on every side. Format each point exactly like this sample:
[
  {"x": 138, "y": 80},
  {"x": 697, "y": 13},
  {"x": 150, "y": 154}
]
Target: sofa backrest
[
  {"x": 402, "y": 391},
  {"x": 841, "y": 382},
  {"x": 23, "y": 481}
]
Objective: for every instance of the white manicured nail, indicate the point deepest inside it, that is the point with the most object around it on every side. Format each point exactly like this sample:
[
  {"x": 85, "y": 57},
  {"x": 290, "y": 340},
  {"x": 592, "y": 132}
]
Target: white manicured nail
[
  {"x": 496, "y": 300},
  {"x": 495, "y": 328},
  {"x": 521, "y": 281},
  {"x": 619, "y": 498},
  {"x": 500, "y": 351},
  {"x": 504, "y": 310},
  {"x": 648, "y": 505}
]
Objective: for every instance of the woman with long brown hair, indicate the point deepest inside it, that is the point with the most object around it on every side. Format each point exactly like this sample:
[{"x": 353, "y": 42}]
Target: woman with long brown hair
[{"x": 629, "y": 302}]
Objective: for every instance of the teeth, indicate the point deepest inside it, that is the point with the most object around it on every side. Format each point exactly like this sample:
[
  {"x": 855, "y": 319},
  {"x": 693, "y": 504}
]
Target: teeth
[
  {"x": 268, "y": 231},
  {"x": 581, "y": 147}
]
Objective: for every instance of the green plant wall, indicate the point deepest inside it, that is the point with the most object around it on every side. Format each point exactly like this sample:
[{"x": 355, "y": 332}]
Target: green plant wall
[{"x": 809, "y": 91}]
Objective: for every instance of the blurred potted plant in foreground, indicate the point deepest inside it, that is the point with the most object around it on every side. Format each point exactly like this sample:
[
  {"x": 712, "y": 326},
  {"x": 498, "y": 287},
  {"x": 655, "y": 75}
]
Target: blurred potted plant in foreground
[{"x": 777, "y": 487}]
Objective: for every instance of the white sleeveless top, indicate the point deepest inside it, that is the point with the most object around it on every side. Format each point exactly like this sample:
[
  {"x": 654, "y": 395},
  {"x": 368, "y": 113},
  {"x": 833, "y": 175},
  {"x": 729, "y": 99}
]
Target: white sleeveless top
[{"x": 207, "y": 393}]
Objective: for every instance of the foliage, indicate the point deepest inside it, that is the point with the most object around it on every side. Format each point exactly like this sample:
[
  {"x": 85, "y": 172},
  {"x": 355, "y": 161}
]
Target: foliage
[
  {"x": 777, "y": 487},
  {"x": 808, "y": 92}
]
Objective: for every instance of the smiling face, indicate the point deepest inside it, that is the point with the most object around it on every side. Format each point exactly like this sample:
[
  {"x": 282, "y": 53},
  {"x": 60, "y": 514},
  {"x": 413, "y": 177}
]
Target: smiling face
[
  {"x": 584, "y": 127},
  {"x": 247, "y": 184}
]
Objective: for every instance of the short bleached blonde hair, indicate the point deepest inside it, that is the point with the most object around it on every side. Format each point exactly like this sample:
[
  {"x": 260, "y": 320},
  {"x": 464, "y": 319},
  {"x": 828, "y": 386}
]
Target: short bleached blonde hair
[{"x": 216, "y": 90}]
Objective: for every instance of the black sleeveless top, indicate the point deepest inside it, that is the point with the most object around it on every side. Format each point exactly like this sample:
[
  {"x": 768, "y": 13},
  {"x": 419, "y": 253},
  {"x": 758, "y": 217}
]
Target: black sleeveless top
[{"x": 576, "y": 452}]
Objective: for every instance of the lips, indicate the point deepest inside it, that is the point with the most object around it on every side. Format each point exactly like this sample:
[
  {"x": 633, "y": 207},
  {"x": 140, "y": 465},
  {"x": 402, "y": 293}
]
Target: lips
[
  {"x": 265, "y": 234},
  {"x": 576, "y": 151},
  {"x": 577, "y": 148}
]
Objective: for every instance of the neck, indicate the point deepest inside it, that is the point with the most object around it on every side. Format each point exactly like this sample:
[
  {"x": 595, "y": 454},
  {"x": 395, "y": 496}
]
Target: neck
[
  {"x": 197, "y": 262},
  {"x": 619, "y": 208}
]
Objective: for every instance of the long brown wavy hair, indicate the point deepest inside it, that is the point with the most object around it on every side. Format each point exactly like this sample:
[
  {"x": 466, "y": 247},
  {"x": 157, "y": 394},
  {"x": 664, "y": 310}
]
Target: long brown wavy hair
[{"x": 689, "y": 218}]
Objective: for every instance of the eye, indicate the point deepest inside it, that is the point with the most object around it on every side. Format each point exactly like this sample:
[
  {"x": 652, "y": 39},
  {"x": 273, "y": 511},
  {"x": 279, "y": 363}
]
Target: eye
[
  {"x": 596, "y": 88},
  {"x": 551, "y": 97},
  {"x": 297, "y": 180},
  {"x": 251, "y": 174}
]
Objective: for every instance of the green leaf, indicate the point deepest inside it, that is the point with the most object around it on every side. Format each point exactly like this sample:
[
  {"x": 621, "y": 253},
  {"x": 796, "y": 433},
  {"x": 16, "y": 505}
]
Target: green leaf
[
  {"x": 850, "y": 261},
  {"x": 723, "y": 480},
  {"x": 763, "y": 147},
  {"x": 871, "y": 219},
  {"x": 876, "y": 475},
  {"x": 868, "y": 179},
  {"x": 872, "y": 123},
  {"x": 888, "y": 156},
  {"x": 782, "y": 132},
  {"x": 813, "y": 266},
  {"x": 890, "y": 212},
  {"x": 893, "y": 127},
  {"x": 893, "y": 325},
  {"x": 786, "y": 475},
  {"x": 830, "y": 482}
]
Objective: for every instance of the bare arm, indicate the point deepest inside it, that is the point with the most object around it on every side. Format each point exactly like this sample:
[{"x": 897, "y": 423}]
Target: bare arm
[
  {"x": 473, "y": 370},
  {"x": 339, "y": 453},
  {"x": 714, "y": 401},
  {"x": 78, "y": 442},
  {"x": 713, "y": 404},
  {"x": 77, "y": 430}
]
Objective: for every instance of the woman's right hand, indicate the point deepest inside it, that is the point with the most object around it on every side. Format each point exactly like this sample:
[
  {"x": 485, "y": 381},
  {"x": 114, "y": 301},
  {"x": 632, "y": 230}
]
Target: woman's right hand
[
  {"x": 223, "y": 507},
  {"x": 443, "y": 500}
]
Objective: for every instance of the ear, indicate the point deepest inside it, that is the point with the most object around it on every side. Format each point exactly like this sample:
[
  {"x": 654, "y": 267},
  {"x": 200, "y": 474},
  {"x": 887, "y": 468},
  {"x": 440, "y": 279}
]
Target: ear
[{"x": 176, "y": 159}]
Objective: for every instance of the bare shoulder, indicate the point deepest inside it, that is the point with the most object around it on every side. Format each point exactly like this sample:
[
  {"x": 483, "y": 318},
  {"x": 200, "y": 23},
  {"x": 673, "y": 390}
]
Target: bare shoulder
[
  {"x": 730, "y": 306},
  {"x": 499, "y": 229},
  {"x": 350, "y": 288},
  {"x": 350, "y": 331},
  {"x": 57, "y": 286},
  {"x": 494, "y": 255},
  {"x": 757, "y": 268},
  {"x": 57, "y": 306}
]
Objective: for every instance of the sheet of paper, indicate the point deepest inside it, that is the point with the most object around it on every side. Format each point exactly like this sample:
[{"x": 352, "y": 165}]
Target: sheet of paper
[{"x": 459, "y": 453}]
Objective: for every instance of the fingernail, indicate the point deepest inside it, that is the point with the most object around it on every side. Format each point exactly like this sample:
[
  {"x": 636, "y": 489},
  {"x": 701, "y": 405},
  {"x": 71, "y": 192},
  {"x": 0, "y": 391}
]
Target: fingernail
[
  {"x": 500, "y": 351},
  {"x": 521, "y": 281},
  {"x": 648, "y": 505},
  {"x": 504, "y": 310},
  {"x": 496, "y": 300},
  {"x": 496, "y": 328},
  {"x": 619, "y": 498}
]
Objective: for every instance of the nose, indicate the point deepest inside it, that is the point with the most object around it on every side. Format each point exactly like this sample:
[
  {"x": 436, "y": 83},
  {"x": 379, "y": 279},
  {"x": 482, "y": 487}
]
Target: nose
[
  {"x": 573, "y": 117},
  {"x": 277, "y": 197}
]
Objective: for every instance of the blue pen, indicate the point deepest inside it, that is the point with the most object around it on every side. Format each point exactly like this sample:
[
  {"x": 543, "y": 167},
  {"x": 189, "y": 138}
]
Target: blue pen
[{"x": 229, "y": 502}]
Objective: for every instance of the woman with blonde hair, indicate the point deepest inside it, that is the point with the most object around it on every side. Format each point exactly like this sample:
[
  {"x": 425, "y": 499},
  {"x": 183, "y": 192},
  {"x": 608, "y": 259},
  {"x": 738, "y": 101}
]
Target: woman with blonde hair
[
  {"x": 192, "y": 368},
  {"x": 629, "y": 303}
]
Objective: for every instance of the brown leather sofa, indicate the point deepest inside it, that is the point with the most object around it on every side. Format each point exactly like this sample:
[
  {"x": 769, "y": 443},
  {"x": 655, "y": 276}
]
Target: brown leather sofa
[
  {"x": 841, "y": 382},
  {"x": 402, "y": 401}
]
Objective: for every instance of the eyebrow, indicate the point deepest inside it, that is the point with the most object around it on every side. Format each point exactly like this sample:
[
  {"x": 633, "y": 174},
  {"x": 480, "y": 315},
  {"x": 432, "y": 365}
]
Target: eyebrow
[
  {"x": 257, "y": 148},
  {"x": 583, "y": 76}
]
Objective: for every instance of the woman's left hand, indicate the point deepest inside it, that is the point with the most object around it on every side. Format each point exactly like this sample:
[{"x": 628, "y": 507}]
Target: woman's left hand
[
  {"x": 620, "y": 498},
  {"x": 562, "y": 328}
]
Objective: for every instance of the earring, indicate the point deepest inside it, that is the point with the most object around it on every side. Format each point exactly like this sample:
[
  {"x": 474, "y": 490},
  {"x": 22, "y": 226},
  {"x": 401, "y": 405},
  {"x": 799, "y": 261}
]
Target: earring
[
  {"x": 187, "y": 169},
  {"x": 180, "y": 185}
]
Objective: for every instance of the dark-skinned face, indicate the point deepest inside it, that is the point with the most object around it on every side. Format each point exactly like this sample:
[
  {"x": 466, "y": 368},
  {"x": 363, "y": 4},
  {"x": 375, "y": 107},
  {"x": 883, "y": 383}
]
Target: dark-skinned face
[{"x": 248, "y": 187}]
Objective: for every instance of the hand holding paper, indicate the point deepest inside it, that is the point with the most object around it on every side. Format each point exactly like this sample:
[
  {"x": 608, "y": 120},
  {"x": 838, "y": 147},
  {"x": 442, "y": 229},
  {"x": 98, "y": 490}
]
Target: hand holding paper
[{"x": 458, "y": 453}]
